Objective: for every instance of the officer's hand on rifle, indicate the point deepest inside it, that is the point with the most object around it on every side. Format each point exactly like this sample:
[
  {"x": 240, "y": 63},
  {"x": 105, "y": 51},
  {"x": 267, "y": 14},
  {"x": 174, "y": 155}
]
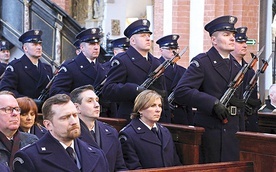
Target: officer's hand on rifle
[
  {"x": 220, "y": 110},
  {"x": 140, "y": 89}
]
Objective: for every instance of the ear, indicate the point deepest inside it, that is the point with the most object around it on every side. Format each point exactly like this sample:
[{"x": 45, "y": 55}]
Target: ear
[{"x": 47, "y": 124}]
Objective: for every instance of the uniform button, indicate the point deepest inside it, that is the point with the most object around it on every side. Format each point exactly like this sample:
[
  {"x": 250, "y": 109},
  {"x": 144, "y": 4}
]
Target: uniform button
[{"x": 224, "y": 130}]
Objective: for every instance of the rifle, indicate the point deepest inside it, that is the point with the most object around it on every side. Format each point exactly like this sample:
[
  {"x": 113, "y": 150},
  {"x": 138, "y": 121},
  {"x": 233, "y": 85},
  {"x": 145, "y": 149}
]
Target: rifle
[
  {"x": 45, "y": 92},
  {"x": 98, "y": 89},
  {"x": 170, "y": 100},
  {"x": 161, "y": 68},
  {"x": 253, "y": 82},
  {"x": 234, "y": 85}
]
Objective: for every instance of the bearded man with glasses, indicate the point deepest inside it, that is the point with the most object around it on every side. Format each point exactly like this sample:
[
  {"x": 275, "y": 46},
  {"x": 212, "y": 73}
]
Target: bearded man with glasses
[{"x": 11, "y": 140}]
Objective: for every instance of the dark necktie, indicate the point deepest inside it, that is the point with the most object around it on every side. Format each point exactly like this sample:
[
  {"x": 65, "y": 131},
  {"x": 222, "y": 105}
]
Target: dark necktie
[
  {"x": 227, "y": 61},
  {"x": 154, "y": 130},
  {"x": 71, "y": 153},
  {"x": 94, "y": 135}
]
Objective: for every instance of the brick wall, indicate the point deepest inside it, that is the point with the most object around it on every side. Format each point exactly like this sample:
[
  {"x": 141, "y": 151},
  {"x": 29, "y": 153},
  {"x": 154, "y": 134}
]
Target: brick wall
[
  {"x": 246, "y": 10},
  {"x": 64, "y": 4}
]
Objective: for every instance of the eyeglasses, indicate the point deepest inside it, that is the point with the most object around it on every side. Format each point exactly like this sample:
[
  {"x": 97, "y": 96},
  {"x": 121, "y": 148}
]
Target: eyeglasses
[{"x": 9, "y": 109}]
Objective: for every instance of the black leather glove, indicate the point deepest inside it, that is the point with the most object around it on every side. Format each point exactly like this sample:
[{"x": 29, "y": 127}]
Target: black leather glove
[
  {"x": 237, "y": 102},
  {"x": 140, "y": 89},
  {"x": 220, "y": 110}
]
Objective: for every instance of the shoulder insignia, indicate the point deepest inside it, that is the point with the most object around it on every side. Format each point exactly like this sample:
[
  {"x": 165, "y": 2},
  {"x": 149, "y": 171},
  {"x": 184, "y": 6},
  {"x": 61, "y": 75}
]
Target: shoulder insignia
[
  {"x": 18, "y": 159},
  {"x": 63, "y": 68},
  {"x": 10, "y": 67},
  {"x": 115, "y": 62},
  {"x": 123, "y": 137},
  {"x": 195, "y": 62}
]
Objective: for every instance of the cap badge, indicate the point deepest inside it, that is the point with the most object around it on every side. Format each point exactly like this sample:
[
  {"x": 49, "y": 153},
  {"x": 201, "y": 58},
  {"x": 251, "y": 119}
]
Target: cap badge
[
  {"x": 36, "y": 32},
  {"x": 145, "y": 22},
  {"x": 231, "y": 20},
  {"x": 242, "y": 30},
  {"x": 93, "y": 31},
  {"x": 174, "y": 37},
  {"x": 3, "y": 43}
]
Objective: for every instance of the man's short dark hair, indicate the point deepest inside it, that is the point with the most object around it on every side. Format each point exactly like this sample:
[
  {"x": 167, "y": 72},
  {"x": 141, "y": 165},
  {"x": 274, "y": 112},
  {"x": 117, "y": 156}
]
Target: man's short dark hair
[
  {"x": 75, "y": 94},
  {"x": 58, "y": 99}
]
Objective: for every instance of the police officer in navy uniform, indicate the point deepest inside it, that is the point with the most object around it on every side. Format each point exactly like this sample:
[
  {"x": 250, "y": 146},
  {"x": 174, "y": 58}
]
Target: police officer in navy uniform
[
  {"x": 247, "y": 112},
  {"x": 131, "y": 68},
  {"x": 4, "y": 56},
  {"x": 28, "y": 76},
  {"x": 94, "y": 131},
  {"x": 270, "y": 103},
  {"x": 203, "y": 84},
  {"x": 77, "y": 46},
  {"x": 173, "y": 73},
  {"x": 60, "y": 149},
  {"x": 119, "y": 45}
]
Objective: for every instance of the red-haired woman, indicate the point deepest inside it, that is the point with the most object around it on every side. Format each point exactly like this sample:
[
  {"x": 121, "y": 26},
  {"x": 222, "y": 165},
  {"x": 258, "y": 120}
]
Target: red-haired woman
[{"x": 28, "y": 117}]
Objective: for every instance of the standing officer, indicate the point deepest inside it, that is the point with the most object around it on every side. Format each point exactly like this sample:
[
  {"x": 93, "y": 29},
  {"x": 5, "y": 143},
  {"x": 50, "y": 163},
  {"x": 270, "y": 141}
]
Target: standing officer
[
  {"x": 94, "y": 131},
  {"x": 4, "y": 56},
  {"x": 27, "y": 76},
  {"x": 204, "y": 83},
  {"x": 83, "y": 69},
  {"x": 249, "y": 114},
  {"x": 132, "y": 69},
  {"x": 173, "y": 73},
  {"x": 120, "y": 45},
  {"x": 60, "y": 149}
]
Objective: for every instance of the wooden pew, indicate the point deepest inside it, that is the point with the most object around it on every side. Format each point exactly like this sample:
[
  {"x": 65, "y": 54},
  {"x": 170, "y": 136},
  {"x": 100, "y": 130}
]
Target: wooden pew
[
  {"x": 187, "y": 141},
  {"x": 237, "y": 166},
  {"x": 117, "y": 123},
  {"x": 267, "y": 122},
  {"x": 259, "y": 148}
]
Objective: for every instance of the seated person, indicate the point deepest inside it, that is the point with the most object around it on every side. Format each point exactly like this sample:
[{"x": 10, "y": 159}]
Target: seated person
[
  {"x": 270, "y": 104},
  {"x": 142, "y": 146},
  {"x": 28, "y": 117}
]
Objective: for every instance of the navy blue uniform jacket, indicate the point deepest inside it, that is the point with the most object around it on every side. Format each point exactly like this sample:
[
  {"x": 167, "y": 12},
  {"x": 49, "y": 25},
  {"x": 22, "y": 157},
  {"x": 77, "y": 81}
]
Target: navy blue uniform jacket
[
  {"x": 48, "y": 154},
  {"x": 123, "y": 79},
  {"x": 109, "y": 143},
  {"x": 75, "y": 73},
  {"x": 182, "y": 114},
  {"x": 23, "y": 78},
  {"x": 205, "y": 81},
  {"x": 142, "y": 149},
  {"x": 2, "y": 68},
  {"x": 37, "y": 130}
]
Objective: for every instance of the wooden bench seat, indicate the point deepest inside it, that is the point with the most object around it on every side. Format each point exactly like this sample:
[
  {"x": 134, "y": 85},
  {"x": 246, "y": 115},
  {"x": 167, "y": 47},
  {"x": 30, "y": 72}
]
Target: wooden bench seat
[{"x": 237, "y": 166}]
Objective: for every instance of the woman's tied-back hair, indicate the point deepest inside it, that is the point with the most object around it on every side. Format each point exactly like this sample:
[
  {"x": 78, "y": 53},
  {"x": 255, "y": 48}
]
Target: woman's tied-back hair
[
  {"x": 143, "y": 101},
  {"x": 58, "y": 99},
  {"x": 26, "y": 104}
]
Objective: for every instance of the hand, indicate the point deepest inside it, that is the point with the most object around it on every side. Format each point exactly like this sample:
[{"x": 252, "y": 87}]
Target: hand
[
  {"x": 221, "y": 111},
  {"x": 140, "y": 89}
]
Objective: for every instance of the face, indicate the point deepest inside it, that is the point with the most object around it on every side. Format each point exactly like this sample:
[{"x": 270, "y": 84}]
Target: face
[
  {"x": 33, "y": 50},
  {"x": 90, "y": 50},
  {"x": 118, "y": 50},
  {"x": 167, "y": 52},
  {"x": 27, "y": 120},
  {"x": 9, "y": 122},
  {"x": 272, "y": 94},
  {"x": 152, "y": 114},
  {"x": 89, "y": 107},
  {"x": 65, "y": 124},
  {"x": 224, "y": 41},
  {"x": 240, "y": 49},
  {"x": 5, "y": 56},
  {"x": 141, "y": 42}
]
